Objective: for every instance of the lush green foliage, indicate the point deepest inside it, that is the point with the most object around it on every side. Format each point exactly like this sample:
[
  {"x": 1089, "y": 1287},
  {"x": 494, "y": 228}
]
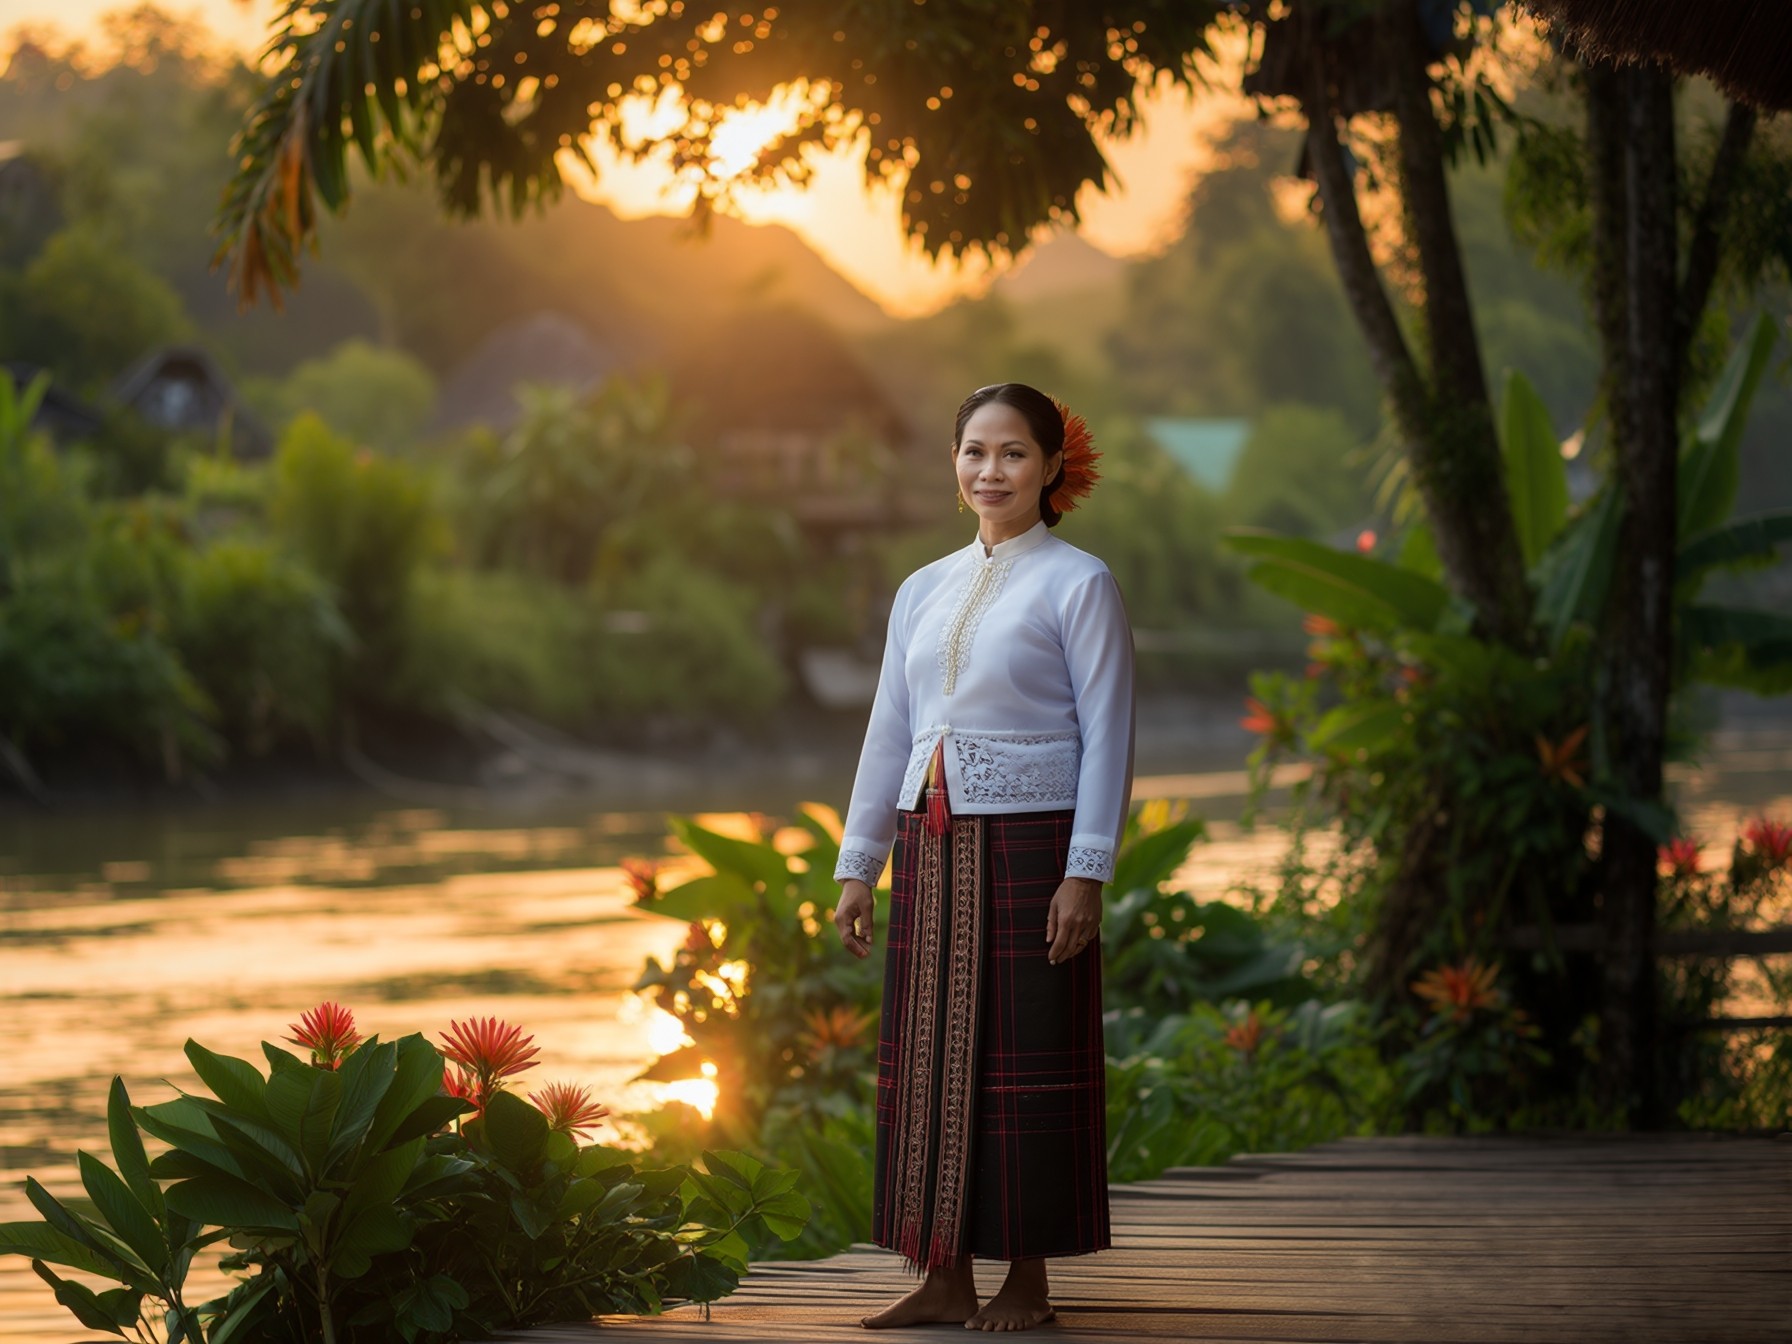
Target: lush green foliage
[
  {"x": 1468, "y": 781},
  {"x": 366, "y": 393},
  {"x": 362, "y": 1203}
]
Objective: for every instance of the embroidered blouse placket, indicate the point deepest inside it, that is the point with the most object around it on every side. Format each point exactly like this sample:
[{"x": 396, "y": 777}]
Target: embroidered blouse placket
[{"x": 1021, "y": 661}]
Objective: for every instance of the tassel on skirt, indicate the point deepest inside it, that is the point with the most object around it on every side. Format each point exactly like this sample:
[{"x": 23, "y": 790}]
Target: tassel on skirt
[{"x": 991, "y": 1090}]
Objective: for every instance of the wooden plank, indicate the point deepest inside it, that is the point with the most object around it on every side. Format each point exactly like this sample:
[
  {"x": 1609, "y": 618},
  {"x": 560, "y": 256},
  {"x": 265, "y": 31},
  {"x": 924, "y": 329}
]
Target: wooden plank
[{"x": 1657, "y": 1239}]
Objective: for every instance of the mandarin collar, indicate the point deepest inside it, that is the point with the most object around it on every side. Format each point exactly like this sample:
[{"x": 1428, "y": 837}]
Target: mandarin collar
[{"x": 1007, "y": 550}]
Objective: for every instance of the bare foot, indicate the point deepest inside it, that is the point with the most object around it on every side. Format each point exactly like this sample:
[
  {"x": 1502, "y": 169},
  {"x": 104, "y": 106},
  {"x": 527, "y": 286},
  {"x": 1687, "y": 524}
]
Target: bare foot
[
  {"x": 946, "y": 1296},
  {"x": 1023, "y": 1303}
]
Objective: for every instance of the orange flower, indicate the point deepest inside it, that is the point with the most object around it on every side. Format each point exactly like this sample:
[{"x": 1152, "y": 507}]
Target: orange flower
[
  {"x": 1080, "y": 456},
  {"x": 1678, "y": 858},
  {"x": 489, "y": 1050},
  {"x": 458, "y": 1082},
  {"x": 569, "y": 1109},
  {"x": 1261, "y": 719},
  {"x": 1365, "y": 541},
  {"x": 643, "y": 879},
  {"x": 328, "y": 1031},
  {"x": 1321, "y": 627},
  {"x": 1562, "y": 760},
  {"x": 1770, "y": 841},
  {"x": 1245, "y": 1036},
  {"x": 1459, "y": 990},
  {"x": 838, "y": 1028}
]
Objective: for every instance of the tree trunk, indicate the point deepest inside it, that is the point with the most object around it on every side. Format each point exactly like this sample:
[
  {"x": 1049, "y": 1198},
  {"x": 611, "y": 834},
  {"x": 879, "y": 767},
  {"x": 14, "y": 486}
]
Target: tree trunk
[
  {"x": 1631, "y": 139},
  {"x": 1442, "y": 411}
]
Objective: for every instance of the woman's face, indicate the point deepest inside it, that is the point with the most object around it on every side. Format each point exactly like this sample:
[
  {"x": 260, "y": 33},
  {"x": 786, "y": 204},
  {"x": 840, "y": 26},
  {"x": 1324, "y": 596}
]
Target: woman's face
[{"x": 1002, "y": 469}]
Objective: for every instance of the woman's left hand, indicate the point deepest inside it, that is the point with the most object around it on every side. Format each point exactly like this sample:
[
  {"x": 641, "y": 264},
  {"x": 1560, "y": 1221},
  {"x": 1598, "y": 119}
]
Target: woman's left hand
[{"x": 1074, "y": 918}]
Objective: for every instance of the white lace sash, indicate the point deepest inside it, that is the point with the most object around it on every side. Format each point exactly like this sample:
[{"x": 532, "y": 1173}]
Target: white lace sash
[{"x": 991, "y": 770}]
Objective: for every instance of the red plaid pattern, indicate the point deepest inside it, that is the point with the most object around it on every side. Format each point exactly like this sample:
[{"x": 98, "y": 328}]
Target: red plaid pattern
[{"x": 1037, "y": 1174}]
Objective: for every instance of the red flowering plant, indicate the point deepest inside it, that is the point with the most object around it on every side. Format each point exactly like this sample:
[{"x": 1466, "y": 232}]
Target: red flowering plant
[
  {"x": 1464, "y": 759},
  {"x": 1475, "y": 1051},
  {"x": 360, "y": 1212},
  {"x": 758, "y": 982}
]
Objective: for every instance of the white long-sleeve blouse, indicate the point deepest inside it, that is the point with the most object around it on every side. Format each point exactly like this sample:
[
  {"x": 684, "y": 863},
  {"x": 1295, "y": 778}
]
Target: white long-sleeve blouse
[{"x": 1022, "y": 661}]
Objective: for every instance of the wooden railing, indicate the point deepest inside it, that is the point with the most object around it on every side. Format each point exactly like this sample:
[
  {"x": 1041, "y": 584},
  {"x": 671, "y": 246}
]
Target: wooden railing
[{"x": 1724, "y": 943}]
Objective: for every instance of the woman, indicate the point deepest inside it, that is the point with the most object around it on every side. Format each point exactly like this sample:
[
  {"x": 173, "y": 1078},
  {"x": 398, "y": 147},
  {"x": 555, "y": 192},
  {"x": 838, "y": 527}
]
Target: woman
[{"x": 999, "y": 761}]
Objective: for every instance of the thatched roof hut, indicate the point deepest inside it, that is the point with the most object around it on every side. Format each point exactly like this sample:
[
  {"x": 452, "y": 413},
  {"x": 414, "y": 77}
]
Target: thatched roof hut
[
  {"x": 181, "y": 388},
  {"x": 784, "y": 411},
  {"x": 544, "y": 347},
  {"x": 1744, "y": 46}
]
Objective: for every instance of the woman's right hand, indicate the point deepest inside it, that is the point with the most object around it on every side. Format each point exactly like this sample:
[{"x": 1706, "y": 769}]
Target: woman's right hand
[{"x": 853, "y": 917}]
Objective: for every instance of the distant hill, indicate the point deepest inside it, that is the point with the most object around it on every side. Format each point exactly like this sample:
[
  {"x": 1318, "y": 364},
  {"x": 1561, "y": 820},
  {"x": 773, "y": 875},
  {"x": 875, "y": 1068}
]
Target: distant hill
[
  {"x": 394, "y": 269},
  {"x": 1065, "y": 263}
]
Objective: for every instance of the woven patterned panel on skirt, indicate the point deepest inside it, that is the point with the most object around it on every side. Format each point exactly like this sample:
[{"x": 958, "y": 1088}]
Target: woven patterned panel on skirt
[{"x": 991, "y": 1098}]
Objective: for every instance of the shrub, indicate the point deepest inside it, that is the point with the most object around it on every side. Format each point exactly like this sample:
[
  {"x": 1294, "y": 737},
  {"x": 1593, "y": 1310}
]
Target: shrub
[
  {"x": 694, "y": 653},
  {"x": 261, "y": 636},
  {"x": 364, "y": 525},
  {"x": 370, "y": 1193}
]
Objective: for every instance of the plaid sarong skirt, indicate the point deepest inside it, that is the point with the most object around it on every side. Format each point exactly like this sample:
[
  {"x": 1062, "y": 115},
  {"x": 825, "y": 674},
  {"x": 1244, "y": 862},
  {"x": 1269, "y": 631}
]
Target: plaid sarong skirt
[{"x": 991, "y": 1075}]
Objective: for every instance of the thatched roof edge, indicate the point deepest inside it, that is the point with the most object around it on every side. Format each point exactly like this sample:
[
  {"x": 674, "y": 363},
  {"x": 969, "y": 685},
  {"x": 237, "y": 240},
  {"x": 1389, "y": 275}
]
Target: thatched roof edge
[{"x": 1743, "y": 46}]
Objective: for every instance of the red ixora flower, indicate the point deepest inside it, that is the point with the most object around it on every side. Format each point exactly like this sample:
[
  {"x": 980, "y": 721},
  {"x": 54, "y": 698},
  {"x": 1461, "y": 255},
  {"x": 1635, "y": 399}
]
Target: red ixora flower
[
  {"x": 1770, "y": 841},
  {"x": 489, "y": 1049},
  {"x": 569, "y": 1109},
  {"x": 643, "y": 879},
  {"x": 1245, "y": 1036},
  {"x": 1459, "y": 990},
  {"x": 1261, "y": 719},
  {"x": 1679, "y": 857},
  {"x": 328, "y": 1032}
]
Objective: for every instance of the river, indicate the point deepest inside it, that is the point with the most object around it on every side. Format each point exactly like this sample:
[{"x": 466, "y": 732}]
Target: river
[{"x": 123, "y": 933}]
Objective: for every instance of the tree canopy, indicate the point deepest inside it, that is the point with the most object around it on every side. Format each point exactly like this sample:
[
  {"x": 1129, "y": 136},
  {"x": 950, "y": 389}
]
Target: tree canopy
[{"x": 990, "y": 111}]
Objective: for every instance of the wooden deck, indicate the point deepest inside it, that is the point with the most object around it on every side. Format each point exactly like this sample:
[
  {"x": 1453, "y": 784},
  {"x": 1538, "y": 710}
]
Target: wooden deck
[{"x": 1682, "y": 1239}]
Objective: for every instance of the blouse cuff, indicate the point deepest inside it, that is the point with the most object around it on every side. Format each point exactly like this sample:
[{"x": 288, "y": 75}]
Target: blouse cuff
[
  {"x": 1088, "y": 861},
  {"x": 865, "y": 867}
]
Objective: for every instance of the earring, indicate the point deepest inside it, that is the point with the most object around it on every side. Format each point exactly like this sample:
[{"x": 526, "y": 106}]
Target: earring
[{"x": 961, "y": 507}]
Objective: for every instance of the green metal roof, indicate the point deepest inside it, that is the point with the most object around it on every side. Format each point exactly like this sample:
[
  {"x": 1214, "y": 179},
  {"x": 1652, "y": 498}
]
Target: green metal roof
[{"x": 1206, "y": 449}]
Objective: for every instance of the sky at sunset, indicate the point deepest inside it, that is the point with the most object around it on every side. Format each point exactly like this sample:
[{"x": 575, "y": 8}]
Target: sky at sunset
[{"x": 856, "y": 230}]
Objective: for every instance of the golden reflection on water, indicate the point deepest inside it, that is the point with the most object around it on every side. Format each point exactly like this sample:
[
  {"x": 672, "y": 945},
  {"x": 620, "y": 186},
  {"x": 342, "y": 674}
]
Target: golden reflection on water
[{"x": 122, "y": 937}]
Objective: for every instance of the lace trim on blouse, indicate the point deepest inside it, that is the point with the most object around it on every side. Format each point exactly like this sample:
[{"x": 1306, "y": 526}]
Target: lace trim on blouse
[
  {"x": 1087, "y": 862},
  {"x": 853, "y": 863},
  {"x": 997, "y": 768}
]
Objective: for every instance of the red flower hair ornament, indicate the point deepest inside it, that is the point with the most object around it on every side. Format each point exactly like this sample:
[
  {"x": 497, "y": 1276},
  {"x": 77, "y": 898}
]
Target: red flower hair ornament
[{"x": 1080, "y": 456}]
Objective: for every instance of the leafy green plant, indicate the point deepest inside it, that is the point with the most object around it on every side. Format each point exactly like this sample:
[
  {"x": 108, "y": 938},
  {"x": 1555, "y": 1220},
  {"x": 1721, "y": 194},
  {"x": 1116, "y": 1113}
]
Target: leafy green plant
[
  {"x": 360, "y": 1210},
  {"x": 774, "y": 1008},
  {"x": 1468, "y": 779},
  {"x": 1163, "y": 950},
  {"x": 1474, "y": 1052},
  {"x": 136, "y": 1240},
  {"x": 1198, "y": 1087}
]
